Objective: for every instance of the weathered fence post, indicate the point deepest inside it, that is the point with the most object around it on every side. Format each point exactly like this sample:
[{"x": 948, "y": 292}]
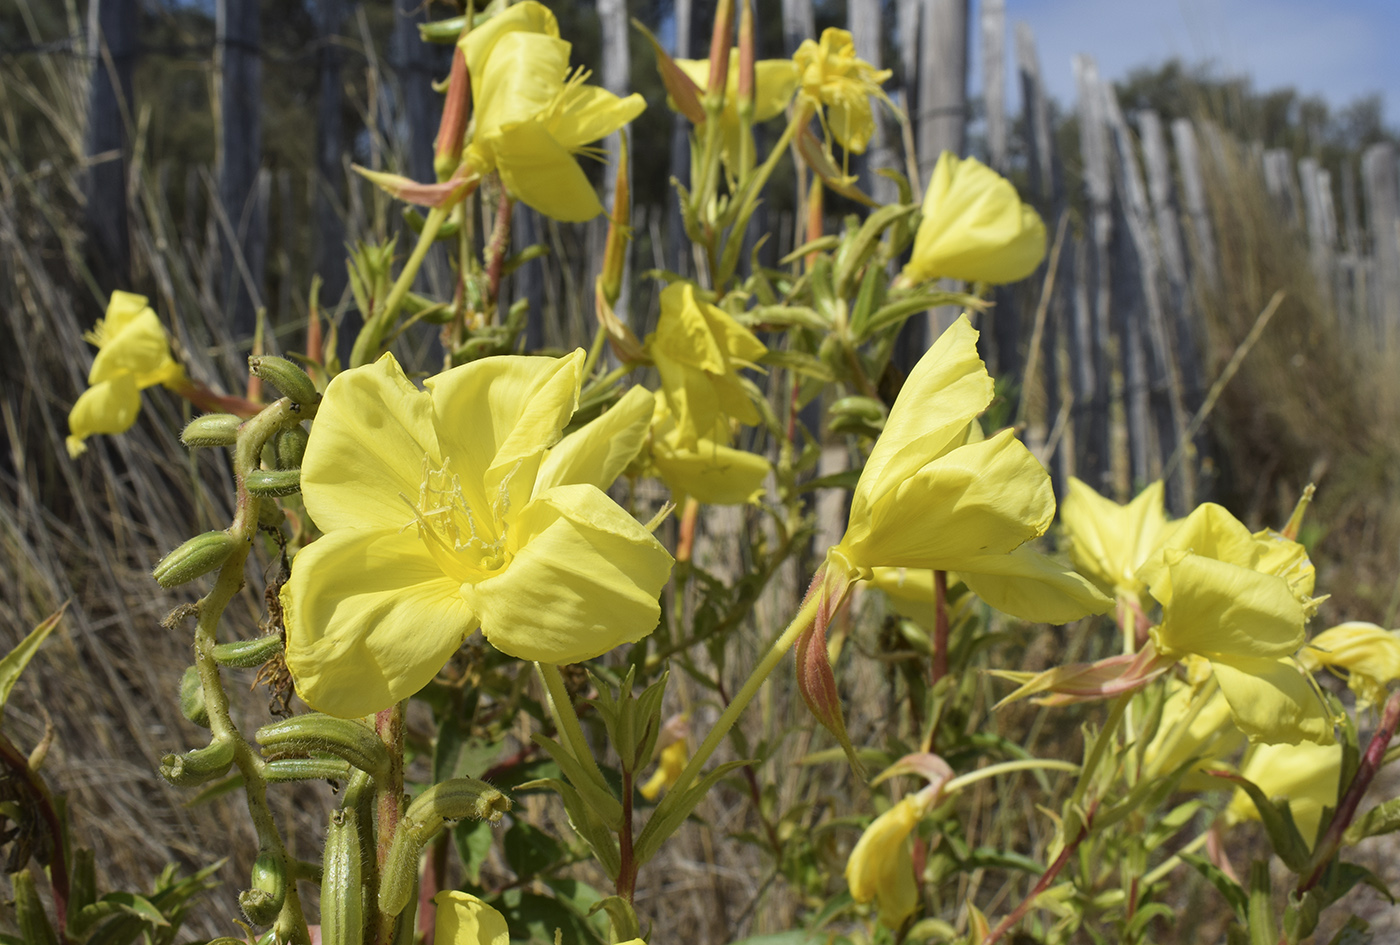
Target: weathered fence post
[
  {"x": 867, "y": 29},
  {"x": 328, "y": 178},
  {"x": 243, "y": 250},
  {"x": 994, "y": 80},
  {"x": 680, "y": 148},
  {"x": 1378, "y": 174},
  {"x": 1188, "y": 162},
  {"x": 1092, "y": 435},
  {"x": 111, "y": 42}
]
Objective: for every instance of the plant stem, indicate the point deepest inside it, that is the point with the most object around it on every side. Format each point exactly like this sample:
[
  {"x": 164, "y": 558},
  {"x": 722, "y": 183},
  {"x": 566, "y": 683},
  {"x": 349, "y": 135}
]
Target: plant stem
[
  {"x": 1005, "y": 767},
  {"x": 745, "y": 695},
  {"x": 1101, "y": 743},
  {"x": 1041, "y": 885},
  {"x": 369, "y": 338},
  {"x": 730, "y": 260},
  {"x": 627, "y": 869},
  {"x": 566, "y": 720}
]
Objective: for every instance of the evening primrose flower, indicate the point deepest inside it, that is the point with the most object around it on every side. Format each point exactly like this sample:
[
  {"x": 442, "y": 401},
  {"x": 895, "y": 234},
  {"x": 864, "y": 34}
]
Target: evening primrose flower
[
  {"x": 533, "y": 114},
  {"x": 707, "y": 471},
  {"x": 463, "y": 919},
  {"x": 831, "y": 75},
  {"x": 1306, "y": 775},
  {"x": 974, "y": 227},
  {"x": 674, "y": 756},
  {"x": 881, "y": 867},
  {"x": 774, "y": 81},
  {"x": 699, "y": 350},
  {"x": 133, "y": 353},
  {"x": 1369, "y": 654},
  {"x": 447, "y": 509},
  {"x": 1108, "y": 542}
]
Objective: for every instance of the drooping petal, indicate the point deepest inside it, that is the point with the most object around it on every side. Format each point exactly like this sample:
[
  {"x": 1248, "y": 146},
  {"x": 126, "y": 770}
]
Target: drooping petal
[
  {"x": 542, "y": 173},
  {"x": 520, "y": 82},
  {"x": 1369, "y": 654},
  {"x": 881, "y": 866},
  {"x": 364, "y": 462},
  {"x": 496, "y": 417},
  {"x": 708, "y": 472},
  {"x": 108, "y": 407},
  {"x": 139, "y": 347},
  {"x": 1307, "y": 775},
  {"x": 1224, "y": 611},
  {"x": 1272, "y": 701},
  {"x": 585, "y": 578},
  {"x": 1033, "y": 586},
  {"x": 370, "y": 618},
  {"x": 479, "y": 43},
  {"x": 981, "y": 499},
  {"x": 945, "y": 391},
  {"x": 1108, "y": 541},
  {"x": 463, "y": 919},
  {"x": 589, "y": 112},
  {"x": 1210, "y": 531},
  {"x": 597, "y": 453}
]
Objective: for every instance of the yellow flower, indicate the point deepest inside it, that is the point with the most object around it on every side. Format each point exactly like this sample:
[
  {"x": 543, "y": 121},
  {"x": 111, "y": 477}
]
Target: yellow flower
[
  {"x": 708, "y": 471},
  {"x": 774, "y": 81},
  {"x": 1229, "y": 599},
  {"x": 674, "y": 756},
  {"x": 699, "y": 350},
  {"x": 881, "y": 867},
  {"x": 463, "y": 919},
  {"x": 1207, "y": 735},
  {"x": 1108, "y": 541},
  {"x": 446, "y": 510},
  {"x": 974, "y": 227},
  {"x": 1306, "y": 775},
  {"x": 533, "y": 114},
  {"x": 935, "y": 496},
  {"x": 1369, "y": 654},
  {"x": 831, "y": 75},
  {"x": 133, "y": 353}
]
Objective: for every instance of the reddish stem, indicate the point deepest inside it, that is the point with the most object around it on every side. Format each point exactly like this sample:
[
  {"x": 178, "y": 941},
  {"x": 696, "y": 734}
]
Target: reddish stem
[
  {"x": 627, "y": 870},
  {"x": 685, "y": 542},
  {"x": 433, "y": 874},
  {"x": 500, "y": 242},
  {"x": 11, "y": 757},
  {"x": 1043, "y": 884}
]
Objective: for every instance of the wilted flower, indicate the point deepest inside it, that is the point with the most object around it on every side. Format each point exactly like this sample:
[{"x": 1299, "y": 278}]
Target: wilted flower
[
  {"x": 446, "y": 510},
  {"x": 831, "y": 75},
  {"x": 533, "y": 114},
  {"x": 974, "y": 227},
  {"x": 133, "y": 353},
  {"x": 1306, "y": 775},
  {"x": 1369, "y": 654},
  {"x": 774, "y": 81},
  {"x": 699, "y": 350},
  {"x": 881, "y": 867}
]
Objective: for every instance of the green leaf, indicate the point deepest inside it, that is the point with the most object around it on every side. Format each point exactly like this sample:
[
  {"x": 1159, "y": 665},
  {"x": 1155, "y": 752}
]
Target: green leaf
[
  {"x": 1278, "y": 822},
  {"x": 674, "y": 809},
  {"x": 1232, "y": 891},
  {"x": 530, "y": 851},
  {"x": 119, "y": 903},
  {"x": 784, "y": 316},
  {"x": 1356, "y": 931},
  {"x": 1135, "y": 928},
  {"x": 534, "y": 918},
  {"x": 18, "y": 658},
  {"x": 1300, "y": 916},
  {"x": 803, "y": 364},
  {"x": 620, "y": 913},
  {"x": 1383, "y": 818},
  {"x": 473, "y": 839},
  {"x": 585, "y": 823},
  {"x": 795, "y": 937},
  {"x": 1261, "y": 908}
]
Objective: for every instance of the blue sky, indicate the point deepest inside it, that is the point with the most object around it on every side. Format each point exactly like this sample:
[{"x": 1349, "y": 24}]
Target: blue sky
[{"x": 1340, "y": 50}]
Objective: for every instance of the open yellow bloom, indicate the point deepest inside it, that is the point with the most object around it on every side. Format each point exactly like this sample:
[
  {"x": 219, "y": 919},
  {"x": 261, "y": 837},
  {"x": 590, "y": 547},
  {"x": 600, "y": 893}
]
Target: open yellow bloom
[
  {"x": 774, "y": 81},
  {"x": 936, "y": 497},
  {"x": 1108, "y": 541},
  {"x": 699, "y": 350},
  {"x": 707, "y": 471},
  {"x": 446, "y": 510},
  {"x": 831, "y": 75},
  {"x": 881, "y": 867},
  {"x": 533, "y": 114},
  {"x": 1238, "y": 600},
  {"x": 133, "y": 353},
  {"x": 1304, "y": 774},
  {"x": 1369, "y": 654},
  {"x": 974, "y": 227},
  {"x": 463, "y": 919}
]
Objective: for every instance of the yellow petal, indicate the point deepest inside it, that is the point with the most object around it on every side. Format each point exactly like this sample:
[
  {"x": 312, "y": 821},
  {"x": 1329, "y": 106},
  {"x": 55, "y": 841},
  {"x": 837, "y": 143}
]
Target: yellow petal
[
  {"x": 542, "y": 174},
  {"x": 881, "y": 866},
  {"x": 370, "y": 618},
  {"x": 463, "y": 919},
  {"x": 108, "y": 407},
  {"x": 708, "y": 472},
  {"x": 1032, "y": 586},
  {"x": 669, "y": 766},
  {"x": 1224, "y": 611},
  {"x": 974, "y": 227},
  {"x": 589, "y": 112},
  {"x": 496, "y": 417},
  {"x": 1210, "y": 531},
  {"x": 597, "y": 453},
  {"x": 1272, "y": 701},
  {"x": 1369, "y": 654},
  {"x": 1305, "y": 774},
  {"x": 1108, "y": 541},
  {"x": 1208, "y": 735},
  {"x": 585, "y": 578},
  {"x": 136, "y": 345},
  {"x": 479, "y": 43},
  {"x": 365, "y": 457},
  {"x": 945, "y": 391},
  {"x": 980, "y": 499}
]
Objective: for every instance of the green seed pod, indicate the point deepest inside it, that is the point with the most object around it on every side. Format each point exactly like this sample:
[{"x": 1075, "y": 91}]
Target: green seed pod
[
  {"x": 197, "y": 767},
  {"x": 849, "y": 424},
  {"x": 342, "y": 886},
  {"x": 245, "y": 654},
  {"x": 33, "y": 921},
  {"x": 196, "y": 557},
  {"x": 282, "y": 374},
  {"x": 869, "y": 409},
  {"x": 322, "y": 768},
  {"x": 273, "y": 483},
  {"x": 212, "y": 429},
  {"x": 262, "y": 901},
  {"x": 288, "y": 447},
  {"x": 192, "y": 698},
  {"x": 344, "y": 738}
]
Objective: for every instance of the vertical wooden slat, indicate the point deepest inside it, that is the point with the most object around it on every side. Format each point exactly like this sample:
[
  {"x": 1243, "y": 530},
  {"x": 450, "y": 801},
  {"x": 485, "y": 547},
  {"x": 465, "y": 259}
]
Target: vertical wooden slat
[
  {"x": 328, "y": 179},
  {"x": 286, "y": 217},
  {"x": 942, "y": 81},
  {"x": 1382, "y": 190},
  {"x": 1037, "y": 117},
  {"x": 1278, "y": 180},
  {"x": 1321, "y": 225},
  {"x": 867, "y": 29},
  {"x": 239, "y": 69},
  {"x": 799, "y": 23},
  {"x": 1193, "y": 187},
  {"x": 1092, "y": 443},
  {"x": 676, "y": 257},
  {"x": 112, "y": 43},
  {"x": 994, "y": 79},
  {"x": 615, "y": 75},
  {"x": 416, "y": 65},
  {"x": 1353, "y": 263}
]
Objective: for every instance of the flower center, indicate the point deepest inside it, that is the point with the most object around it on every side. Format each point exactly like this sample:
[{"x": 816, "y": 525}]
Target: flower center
[{"x": 468, "y": 543}]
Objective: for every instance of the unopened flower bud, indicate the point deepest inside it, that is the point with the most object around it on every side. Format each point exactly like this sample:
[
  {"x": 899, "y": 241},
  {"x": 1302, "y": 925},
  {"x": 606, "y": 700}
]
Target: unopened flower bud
[
  {"x": 212, "y": 429},
  {"x": 262, "y": 901},
  {"x": 288, "y": 446},
  {"x": 342, "y": 902},
  {"x": 282, "y": 374},
  {"x": 196, "y": 557}
]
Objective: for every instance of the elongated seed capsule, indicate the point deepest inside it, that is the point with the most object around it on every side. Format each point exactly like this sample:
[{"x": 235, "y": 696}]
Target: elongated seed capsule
[
  {"x": 273, "y": 482},
  {"x": 245, "y": 654},
  {"x": 197, "y": 767},
  {"x": 33, "y": 921},
  {"x": 196, "y": 557},
  {"x": 212, "y": 429},
  {"x": 282, "y": 374},
  {"x": 288, "y": 447},
  {"x": 342, "y": 886},
  {"x": 314, "y": 732},
  {"x": 262, "y": 901}
]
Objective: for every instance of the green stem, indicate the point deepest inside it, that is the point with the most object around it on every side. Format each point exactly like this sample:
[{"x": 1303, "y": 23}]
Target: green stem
[
  {"x": 561, "y": 707},
  {"x": 745, "y": 695},
  {"x": 1005, "y": 767},
  {"x": 367, "y": 343},
  {"x": 730, "y": 260},
  {"x": 1100, "y": 746},
  {"x": 1173, "y": 861}
]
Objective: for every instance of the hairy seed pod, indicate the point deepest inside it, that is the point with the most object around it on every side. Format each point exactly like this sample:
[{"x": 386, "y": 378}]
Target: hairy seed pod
[
  {"x": 342, "y": 887},
  {"x": 212, "y": 429},
  {"x": 200, "y": 766},
  {"x": 344, "y": 738},
  {"x": 288, "y": 446},
  {"x": 192, "y": 704},
  {"x": 273, "y": 483},
  {"x": 282, "y": 374},
  {"x": 245, "y": 654},
  {"x": 196, "y": 557}
]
